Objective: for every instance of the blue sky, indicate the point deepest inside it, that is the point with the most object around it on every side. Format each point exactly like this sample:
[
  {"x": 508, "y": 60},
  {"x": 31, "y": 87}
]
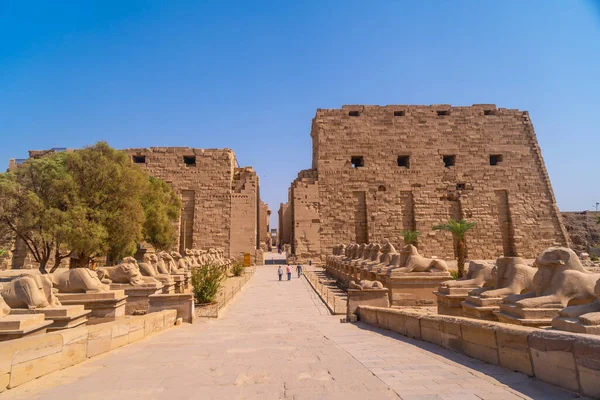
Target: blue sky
[{"x": 249, "y": 75}]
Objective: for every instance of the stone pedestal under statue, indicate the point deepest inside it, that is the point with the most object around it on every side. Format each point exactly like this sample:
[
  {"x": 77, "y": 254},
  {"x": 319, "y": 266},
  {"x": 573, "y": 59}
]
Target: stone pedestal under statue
[
  {"x": 366, "y": 297},
  {"x": 15, "y": 326},
  {"x": 414, "y": 288},
  {"x": 62, "y": 317},
  {"x": 179, "y": 283},
  {"x": 533, "y": 317},
  {"x": 137, "y": 296},
  {"x": 105, "y": 306},
  {"x": 449, "y": 300},
  {"x": 481, "y": 308}
]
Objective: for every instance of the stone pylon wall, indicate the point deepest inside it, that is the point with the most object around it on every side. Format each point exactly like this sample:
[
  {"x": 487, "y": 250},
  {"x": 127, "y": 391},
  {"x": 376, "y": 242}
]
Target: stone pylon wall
[
  {"x": 387, "y": 169},
  {"x": 220, "y": 200}
]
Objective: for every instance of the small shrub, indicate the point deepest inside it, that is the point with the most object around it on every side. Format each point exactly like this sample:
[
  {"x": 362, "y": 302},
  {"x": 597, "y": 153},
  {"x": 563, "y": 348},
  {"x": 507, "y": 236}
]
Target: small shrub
[
  {"x": 237, "y": 269},
  {"x": 410, "y": 237},
  {"x": 594, "y": 258},
  {"x": 454, "y": 274},
  {"x": 206, "y": 281},
  {"x": 3, "y": 252}
]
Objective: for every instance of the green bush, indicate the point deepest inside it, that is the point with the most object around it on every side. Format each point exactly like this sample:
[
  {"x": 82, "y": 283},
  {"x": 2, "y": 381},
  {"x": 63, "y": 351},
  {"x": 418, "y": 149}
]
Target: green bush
[
  {"x": 593, "y": 258},
  {"x": 454, "y": 274},
  {"x": 206, "y": 281},
  {"x": 237, "y": 269}
]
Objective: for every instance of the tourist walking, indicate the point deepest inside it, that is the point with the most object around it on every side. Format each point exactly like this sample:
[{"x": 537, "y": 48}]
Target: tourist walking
[
  {"x": 289, "y": 272},
  {"x": 299, "y": 269},
  {"x": 280, "y": 272}
]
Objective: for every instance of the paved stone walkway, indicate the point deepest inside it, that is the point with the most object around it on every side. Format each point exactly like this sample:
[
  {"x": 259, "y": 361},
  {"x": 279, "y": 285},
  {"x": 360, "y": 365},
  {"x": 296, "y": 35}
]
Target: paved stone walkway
[{"x": 277, "y": 341}]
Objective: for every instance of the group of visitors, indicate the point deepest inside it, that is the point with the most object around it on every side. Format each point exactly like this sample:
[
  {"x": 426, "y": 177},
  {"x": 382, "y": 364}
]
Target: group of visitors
[{"x": 288, "y": 270}]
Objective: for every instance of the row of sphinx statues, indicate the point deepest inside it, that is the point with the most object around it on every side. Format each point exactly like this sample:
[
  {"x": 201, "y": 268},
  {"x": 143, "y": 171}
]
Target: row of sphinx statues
[
  {"x": 557, "y": 285},
  {"x": 384, "y": 258},
  {"x": 32, "y": 290}
]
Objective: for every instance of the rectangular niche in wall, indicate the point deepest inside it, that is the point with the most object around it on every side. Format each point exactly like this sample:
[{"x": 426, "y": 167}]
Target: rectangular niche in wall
[
  {"x": 186, "y": 229},
  {"x": 360, "y": 218}
]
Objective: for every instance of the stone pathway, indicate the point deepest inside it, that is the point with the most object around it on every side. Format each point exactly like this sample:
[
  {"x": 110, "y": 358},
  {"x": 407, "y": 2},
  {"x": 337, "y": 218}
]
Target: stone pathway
[{"x": 277, "y": 341}]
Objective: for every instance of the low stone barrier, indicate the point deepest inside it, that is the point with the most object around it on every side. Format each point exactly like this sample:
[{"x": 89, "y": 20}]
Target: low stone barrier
[
  {"x": 564, "y": 359},
  {"x": 22, "y": 360},
  {"x": 183, "y": 303}
]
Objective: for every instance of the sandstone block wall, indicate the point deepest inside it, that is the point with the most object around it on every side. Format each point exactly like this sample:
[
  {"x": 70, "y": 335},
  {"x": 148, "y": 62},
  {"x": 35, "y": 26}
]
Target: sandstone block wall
[
  {"x": 220, "y": 201},
  {"x": 384, "y": 169},
  {"x": 305, "y": 222},
  {"x": 284, "y": 232}
]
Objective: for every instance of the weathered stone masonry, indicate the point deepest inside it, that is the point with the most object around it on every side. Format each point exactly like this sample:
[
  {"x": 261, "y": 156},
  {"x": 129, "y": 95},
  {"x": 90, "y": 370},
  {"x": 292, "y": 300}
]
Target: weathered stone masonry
[
  {"x": 378, "y": 170},
  {"x": 220, "y": 201}
]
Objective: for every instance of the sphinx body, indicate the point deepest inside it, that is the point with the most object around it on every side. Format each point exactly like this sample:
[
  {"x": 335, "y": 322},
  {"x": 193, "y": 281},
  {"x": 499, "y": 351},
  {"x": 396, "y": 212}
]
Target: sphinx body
[
  {"x": 4, "y": 308},
  {"x": 512, "y": 276},
  {"x": 180, "y": 266},
  {"x": 365, "y": 284},
  {"x": 560, "y": 280},
  {"x": 480, "y": 274},
  {"x": 29, "y": 291},
  {"x": 77, "y": 280},
  {"x": 412, "y": 261},
  {"x": 587, "y": 314},
  {"x": 127, "y": 272}
]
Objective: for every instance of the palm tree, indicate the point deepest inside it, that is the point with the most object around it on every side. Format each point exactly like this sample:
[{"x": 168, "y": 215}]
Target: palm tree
[
  {"x": 410, "y": 237},
  {"x": 458, "y": 230}
]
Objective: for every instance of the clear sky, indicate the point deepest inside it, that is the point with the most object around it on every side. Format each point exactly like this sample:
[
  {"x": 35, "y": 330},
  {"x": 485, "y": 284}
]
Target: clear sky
[{"x": 249, "y": 75}]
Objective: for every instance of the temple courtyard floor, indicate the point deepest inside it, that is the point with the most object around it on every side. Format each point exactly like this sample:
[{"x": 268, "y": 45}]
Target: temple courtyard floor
[{"x": 277, "y": 341}]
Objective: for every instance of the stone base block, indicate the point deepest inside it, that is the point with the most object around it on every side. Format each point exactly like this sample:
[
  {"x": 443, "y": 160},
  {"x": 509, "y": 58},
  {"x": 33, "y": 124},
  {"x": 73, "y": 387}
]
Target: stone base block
[
  {"x": 62, "y": 317},
  {"x": 574, "y": 325},
  {"x": 182, "y": 302},
  {"x": 449, "y": 304},
  {"x": 137, "y": 296},
  {"x": 14, "y": 326},
  {"x": 481, "y": 308},
  {"x": 105, "y": 306},
  {"x": 179, "y": 283},
  {"x": 415, "y": 288},
  {"x": 366, "y": 297},
  {"x": 534, "y": 317}
]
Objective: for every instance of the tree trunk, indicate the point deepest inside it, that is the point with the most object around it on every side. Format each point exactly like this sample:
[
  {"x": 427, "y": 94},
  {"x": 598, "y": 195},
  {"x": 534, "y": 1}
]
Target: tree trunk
[
  {"x": 42, "y": 266},
  {"x": 460, "y": 257}
]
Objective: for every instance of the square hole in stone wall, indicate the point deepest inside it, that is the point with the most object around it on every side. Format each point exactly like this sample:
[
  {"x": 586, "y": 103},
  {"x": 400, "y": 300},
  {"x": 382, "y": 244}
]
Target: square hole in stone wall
[
  {"x": 404, "y": 161},
  {"x": 138, "y": 159},
  {"x": 354, "y": 113},
  {"x": 357, "y": 161},
  {"x": 460, "y": 186},
  {"x": 495, "y": 159},
  {"x": 189, "y": 161},
  {"x": 400, "y": 113},
  {"x": 449, "y": 161},
  {"x": 489, "y": 112},
  {"x": 443, "y": 112}
]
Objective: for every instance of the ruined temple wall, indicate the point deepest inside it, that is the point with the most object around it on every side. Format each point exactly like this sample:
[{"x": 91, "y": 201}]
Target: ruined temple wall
[
  {"x": 305, "y": 215},
  {"x": 264, "y": 234},
  {"x": 205, "y": 187},
  {"x": 244, "y": 213},
  {"x": 512, "y": 202},
  {"x": 285, "y": 224}
]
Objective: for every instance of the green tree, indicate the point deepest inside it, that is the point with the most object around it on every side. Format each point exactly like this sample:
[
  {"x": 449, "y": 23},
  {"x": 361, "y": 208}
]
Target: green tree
[
  {"x": 35, "y": 203},
  {"x": 458, "y": 230},
  {"x": 109, "y": 212},
  {"x": 410, "y": 236},
  {"x": 161, "y": 210}
]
